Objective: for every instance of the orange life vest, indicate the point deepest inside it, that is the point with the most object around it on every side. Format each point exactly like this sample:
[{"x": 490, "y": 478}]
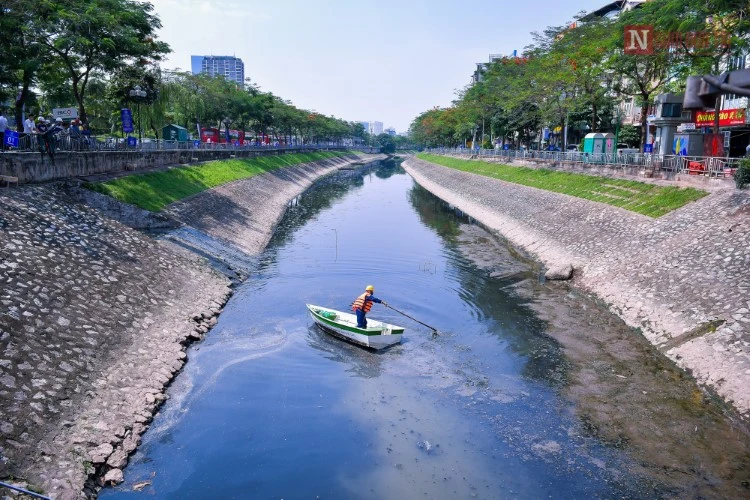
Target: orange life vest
[{"x": 361, "y": 303}]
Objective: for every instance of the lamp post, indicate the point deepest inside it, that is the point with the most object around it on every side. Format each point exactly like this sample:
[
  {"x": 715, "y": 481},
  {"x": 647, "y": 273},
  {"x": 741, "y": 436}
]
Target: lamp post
[
  {"x": 616, "y": 122},
  {"x": 138, "y": 94},
  {"x": 226, "y": 121}
]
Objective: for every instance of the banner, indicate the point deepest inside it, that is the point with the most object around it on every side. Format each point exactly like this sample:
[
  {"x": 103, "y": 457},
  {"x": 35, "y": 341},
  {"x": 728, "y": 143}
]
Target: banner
[
  {"x": 65, "y": 113},
  {"x": 727, "y": 118},
  {"x": 127, "y": 120},
  {"x": 713, "y": 145}
]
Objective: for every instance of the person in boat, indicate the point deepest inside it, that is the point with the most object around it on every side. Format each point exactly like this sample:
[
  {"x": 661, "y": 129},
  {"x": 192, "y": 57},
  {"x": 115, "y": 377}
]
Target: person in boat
[{"x": 363, "y": 304}]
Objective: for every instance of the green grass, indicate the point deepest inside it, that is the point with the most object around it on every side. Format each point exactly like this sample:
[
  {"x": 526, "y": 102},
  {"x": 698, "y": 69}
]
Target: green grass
[
  {"x": 640, "y": 197},
  {"x": 155, "y": 190}
]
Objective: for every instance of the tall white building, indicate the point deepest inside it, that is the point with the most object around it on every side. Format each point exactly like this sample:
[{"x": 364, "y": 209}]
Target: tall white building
[
  {"x": 373, "y": 128},
  {"x": 230, "y": 67}
]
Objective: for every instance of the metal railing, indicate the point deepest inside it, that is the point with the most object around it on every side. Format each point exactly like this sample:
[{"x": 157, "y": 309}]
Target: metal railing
[
  {"x": 719, "y": 167},
  {"x": 63, "y": 143}
]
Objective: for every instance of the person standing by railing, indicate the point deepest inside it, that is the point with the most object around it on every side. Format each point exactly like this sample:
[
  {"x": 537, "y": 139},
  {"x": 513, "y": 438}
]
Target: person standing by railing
[
  {"x": 75, "y": 134},
  {"x": 29, "y": 129},
  {"x": 3, "y": 127},
  {"x": 63, "y": 136}
]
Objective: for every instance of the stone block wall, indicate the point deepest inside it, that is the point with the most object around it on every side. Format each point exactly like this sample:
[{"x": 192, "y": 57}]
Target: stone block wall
[{"x": 32, "y": 167}]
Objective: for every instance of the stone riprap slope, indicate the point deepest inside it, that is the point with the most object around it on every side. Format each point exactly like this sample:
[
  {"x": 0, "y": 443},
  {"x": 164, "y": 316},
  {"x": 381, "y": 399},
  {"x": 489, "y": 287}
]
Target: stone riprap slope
[
  {"x": 244, "y": 213},
  {"x": 93, "y": 320},
  {"x": 683, "y": 278}
]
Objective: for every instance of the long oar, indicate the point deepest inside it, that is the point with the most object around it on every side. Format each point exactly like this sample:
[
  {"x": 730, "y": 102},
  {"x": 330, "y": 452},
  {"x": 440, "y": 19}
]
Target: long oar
[{"x": 434, "y": 330}]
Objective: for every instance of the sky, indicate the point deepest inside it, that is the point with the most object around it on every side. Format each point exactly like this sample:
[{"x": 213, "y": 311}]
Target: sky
[{"x": 359, "y": 60}]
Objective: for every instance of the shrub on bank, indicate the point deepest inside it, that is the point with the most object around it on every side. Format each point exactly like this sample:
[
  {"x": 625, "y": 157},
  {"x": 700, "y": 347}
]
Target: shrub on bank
[{"x": 742, "y": 175}]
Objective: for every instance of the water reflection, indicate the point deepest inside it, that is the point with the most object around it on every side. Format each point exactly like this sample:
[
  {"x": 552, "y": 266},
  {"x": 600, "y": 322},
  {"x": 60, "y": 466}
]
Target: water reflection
[{"x": 358, "y": 361}]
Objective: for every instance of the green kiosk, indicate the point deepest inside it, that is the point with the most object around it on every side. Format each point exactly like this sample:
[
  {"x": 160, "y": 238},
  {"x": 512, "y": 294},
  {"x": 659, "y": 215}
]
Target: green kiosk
[
  {"x": 173, "y": 132},
  {"x": 598, "y": 143}
]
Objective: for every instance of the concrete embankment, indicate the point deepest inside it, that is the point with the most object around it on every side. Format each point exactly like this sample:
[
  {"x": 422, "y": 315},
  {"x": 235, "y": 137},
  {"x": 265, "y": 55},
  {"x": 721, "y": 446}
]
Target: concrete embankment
[
  {"x": 96, "y": 318},
  {"x": 681, "y": 279}
]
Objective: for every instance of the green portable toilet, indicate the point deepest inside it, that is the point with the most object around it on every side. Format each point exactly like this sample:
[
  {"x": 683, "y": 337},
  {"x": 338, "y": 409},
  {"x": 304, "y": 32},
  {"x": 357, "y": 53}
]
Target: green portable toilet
[
  {"x": 597, "y": 143},
  {"x": 173, "y": 132}
]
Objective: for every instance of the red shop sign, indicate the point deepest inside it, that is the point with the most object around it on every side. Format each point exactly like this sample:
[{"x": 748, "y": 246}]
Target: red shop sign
[{"x": 727, "y": 118}]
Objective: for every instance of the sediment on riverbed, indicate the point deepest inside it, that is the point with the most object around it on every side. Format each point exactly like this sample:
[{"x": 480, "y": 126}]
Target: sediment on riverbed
[
  {"x": 96, "y": 317},
  {"x": 681, "y": 279}
]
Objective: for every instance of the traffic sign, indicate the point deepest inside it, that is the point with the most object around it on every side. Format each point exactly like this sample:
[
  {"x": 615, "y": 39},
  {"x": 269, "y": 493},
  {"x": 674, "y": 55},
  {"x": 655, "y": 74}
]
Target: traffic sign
[{"x": 11, "y": 138}]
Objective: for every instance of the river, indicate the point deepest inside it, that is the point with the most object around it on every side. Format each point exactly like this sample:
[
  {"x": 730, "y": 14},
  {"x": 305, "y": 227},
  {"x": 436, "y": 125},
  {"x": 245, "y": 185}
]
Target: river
[{"x": 528, "y": 390}]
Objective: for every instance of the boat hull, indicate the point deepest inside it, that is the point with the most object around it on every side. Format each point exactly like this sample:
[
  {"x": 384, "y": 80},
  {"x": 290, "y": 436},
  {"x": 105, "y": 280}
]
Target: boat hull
[{"x": 377, "y": 335}]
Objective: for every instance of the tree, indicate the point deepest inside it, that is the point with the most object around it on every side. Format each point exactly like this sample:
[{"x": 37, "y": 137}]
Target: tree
[
  {"x": 97, "y": 37},
  {"x": 21, "y": 57},
  {"x": 387, "y": 144}
]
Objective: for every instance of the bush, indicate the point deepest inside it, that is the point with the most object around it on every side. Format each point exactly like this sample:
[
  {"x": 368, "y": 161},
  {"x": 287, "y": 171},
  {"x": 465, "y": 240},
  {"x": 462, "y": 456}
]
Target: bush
[
  {"x": 487, "y": 144},
  {"x": 742, "y": 175}
]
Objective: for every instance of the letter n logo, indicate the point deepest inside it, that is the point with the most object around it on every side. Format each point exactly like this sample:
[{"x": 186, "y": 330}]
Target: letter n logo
[{"x": 639, "y": 39}]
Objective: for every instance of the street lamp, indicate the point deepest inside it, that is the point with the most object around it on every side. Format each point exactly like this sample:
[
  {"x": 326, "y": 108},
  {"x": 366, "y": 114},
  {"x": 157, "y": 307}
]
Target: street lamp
[
  {"x": 616, "y": 122},
  {"x": 226, "y": 121},
  {"x": 138, "y": 94}
]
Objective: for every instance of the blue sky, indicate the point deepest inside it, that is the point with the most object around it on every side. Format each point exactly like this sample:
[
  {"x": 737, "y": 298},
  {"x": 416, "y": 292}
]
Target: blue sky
[{"x": 382, "y": 60}]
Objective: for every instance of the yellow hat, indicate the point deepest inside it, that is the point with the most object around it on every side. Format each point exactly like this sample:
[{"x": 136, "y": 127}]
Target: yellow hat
[{"x": 370, "y": 288}]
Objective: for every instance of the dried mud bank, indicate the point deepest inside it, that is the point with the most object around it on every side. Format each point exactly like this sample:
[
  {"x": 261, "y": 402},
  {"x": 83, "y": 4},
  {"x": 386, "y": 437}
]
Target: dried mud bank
[
  {"x": 95, "y": 318},
  {"x": 681, "y": 279}
]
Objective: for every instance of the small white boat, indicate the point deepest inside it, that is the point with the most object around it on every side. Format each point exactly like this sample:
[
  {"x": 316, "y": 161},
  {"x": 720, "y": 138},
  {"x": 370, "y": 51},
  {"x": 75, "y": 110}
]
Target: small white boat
[{"x": 343, "y": 325}]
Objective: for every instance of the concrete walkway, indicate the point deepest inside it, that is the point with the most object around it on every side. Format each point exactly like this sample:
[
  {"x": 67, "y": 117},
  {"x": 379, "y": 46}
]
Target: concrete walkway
[{"x": 682, "y": 279}]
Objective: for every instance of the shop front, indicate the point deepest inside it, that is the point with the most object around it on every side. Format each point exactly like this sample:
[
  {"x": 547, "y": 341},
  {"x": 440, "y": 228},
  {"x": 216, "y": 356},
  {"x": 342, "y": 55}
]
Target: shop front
[{"x": 735, "y": 132}]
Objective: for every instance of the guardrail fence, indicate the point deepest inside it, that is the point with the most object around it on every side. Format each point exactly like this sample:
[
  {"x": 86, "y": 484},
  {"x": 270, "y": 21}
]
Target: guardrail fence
[
  {"x": 62, "y": 143},
  {"x": 718, "y": 167}
]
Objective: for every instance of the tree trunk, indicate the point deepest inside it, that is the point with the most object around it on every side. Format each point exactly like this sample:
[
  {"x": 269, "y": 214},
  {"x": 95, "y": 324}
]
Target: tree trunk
[
  {"x": 79, "y": 99},
  {"x": 644, "y": 120},
  {"x": 21, "y": 99},
  {"x": 593, "y": 118}
]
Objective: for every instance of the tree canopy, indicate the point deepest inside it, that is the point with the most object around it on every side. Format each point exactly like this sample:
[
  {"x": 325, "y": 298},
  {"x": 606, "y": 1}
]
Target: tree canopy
[{"x": 578, "y": 73}]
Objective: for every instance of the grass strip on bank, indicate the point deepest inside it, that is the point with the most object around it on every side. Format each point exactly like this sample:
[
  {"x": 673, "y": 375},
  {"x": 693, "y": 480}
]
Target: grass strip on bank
[
  {"x": 640, "y": 197},
  {"x": 155, "y": 190}
]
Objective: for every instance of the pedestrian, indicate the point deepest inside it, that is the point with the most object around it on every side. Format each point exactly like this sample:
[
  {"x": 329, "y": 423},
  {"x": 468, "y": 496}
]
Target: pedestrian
[
  {"x": 747, "y": 149},
  {"x": 46, "y": 137},
  {"x": 363, "y": 304},
  {"x": 28, "y": 125},
  {"x": 3, "y": 127},
  {"x": 62, "y": 136},
  {"x": 85, "y": 136},
  {"x": 41, "y": 135},
  {"x": 75, "y": 134}
]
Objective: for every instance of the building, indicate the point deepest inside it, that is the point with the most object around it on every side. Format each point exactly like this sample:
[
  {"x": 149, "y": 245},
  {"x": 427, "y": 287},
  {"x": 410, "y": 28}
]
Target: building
[
  {"x": 230, "y": 67},
  {"x": 373, "y": 128},
  {"x": 390, "y": 131},
  {"x": 482, "y": 67},
  {"x": 613, "y": 9}
]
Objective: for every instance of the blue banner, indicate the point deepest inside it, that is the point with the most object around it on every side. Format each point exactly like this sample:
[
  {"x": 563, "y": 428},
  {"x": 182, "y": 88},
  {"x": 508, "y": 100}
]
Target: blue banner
[
  {"x": 127, "y": 120},
  {"x": 11, "y": 139},
  {"x": 132, "y": 142},
  {"x": 648, "y": 148}
]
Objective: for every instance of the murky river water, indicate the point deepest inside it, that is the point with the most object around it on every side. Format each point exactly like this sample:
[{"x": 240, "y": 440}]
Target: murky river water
[{"x": 529, "y": 391}]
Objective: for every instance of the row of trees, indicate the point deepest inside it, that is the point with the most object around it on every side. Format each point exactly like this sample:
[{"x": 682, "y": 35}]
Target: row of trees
[
  {"x": 577, "y": 73},
  {"x": 90, "y": 55}
]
